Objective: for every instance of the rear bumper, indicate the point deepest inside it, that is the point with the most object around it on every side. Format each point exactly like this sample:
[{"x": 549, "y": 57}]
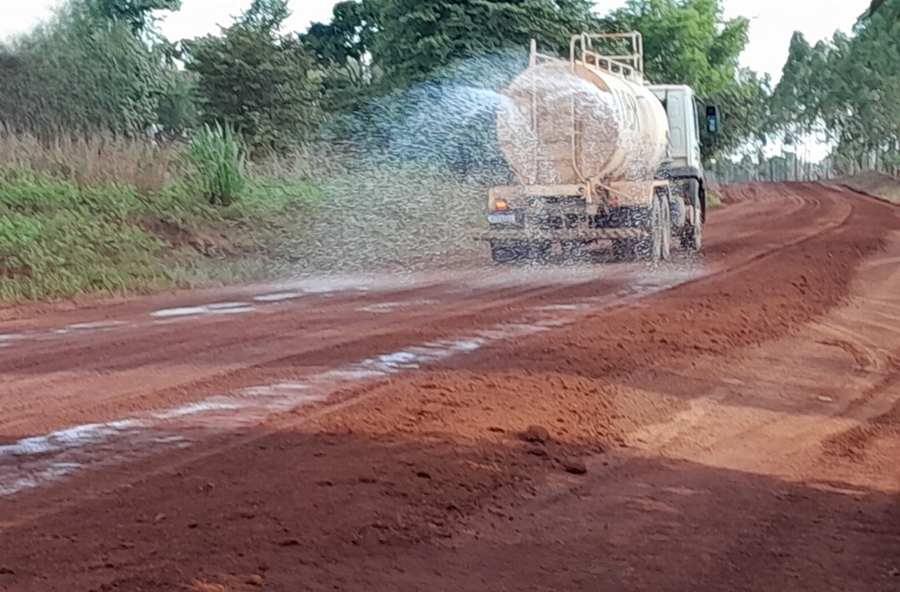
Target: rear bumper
[
  {"x": 588, "y": 234},
  {"x": 567, "y": 213}
]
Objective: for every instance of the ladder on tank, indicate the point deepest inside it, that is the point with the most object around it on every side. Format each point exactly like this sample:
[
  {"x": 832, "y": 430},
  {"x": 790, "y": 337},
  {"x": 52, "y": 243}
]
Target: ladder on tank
[{"x": 629, "y": 66}]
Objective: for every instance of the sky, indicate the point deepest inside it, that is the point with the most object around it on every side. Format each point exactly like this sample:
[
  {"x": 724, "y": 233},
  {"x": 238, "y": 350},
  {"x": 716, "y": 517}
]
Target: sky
[{"x": 772, "y": 21}]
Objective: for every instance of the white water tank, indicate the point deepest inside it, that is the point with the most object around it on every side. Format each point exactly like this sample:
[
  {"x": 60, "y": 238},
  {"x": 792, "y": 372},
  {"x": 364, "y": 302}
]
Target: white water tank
[{"x": 561, "y": 126}]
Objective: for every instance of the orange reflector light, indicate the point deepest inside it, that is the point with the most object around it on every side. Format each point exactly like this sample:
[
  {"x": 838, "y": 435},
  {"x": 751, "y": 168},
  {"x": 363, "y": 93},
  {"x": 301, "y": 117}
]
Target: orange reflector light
[{"x": 500, "y": 205}]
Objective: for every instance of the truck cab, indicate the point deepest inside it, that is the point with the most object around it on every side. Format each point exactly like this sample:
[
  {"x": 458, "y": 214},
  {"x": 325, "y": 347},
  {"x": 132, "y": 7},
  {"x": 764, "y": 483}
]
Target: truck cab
[
  {"x": 684, "y": 165},
  {"x": 680, "y": 104}
]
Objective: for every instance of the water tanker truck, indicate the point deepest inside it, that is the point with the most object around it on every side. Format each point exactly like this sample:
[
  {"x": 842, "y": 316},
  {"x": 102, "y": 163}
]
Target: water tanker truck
[{"x": 603, "y": 158}]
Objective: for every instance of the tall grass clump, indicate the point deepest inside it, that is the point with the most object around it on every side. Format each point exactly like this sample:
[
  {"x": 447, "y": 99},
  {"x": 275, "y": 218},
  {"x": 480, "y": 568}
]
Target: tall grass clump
[{"x": 216, "y": 162}]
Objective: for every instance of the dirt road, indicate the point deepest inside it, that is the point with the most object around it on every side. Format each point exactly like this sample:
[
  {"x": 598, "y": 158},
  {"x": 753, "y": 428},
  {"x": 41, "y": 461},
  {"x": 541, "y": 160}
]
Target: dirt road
[{"x": 730, "y": 423}]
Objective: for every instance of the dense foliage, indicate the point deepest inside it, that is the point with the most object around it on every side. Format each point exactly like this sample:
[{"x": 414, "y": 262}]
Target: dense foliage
[
  {"x": 101, "y": 64},
  {"x": 83, "y": 71},
  {"x": 690, "y": 42},
  {"x": 845, "y": 88},
  {"x": 418, "y": 38},
  {"x": 256, "y": 79}
]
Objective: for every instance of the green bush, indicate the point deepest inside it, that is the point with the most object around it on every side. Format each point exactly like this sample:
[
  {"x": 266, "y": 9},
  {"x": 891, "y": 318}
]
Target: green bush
[
  {"x": 215, "y": 160},
  {"x": 57, "y": 239}
]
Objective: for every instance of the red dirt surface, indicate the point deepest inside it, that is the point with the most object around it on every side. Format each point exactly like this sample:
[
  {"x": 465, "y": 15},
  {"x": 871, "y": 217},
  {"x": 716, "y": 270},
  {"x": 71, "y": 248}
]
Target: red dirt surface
[{"x": 736, "y": 430}]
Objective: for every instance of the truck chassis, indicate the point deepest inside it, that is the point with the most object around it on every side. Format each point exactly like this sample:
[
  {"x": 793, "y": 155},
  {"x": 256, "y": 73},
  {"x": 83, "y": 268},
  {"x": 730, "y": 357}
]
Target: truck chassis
[{"x": 535, "y": 222}]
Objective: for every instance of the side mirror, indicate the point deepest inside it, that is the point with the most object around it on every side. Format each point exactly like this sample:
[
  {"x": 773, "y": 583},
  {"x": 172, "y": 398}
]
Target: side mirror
[{"x": 712, "y": 119}]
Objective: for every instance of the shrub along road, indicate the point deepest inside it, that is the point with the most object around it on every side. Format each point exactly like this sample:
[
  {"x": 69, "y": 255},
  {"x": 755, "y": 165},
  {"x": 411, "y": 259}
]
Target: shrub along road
[{"x": 724, "y": 424}]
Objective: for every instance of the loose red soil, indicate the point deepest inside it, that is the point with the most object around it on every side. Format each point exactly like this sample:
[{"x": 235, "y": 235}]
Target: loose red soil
[{"x": 733, "y": 432}]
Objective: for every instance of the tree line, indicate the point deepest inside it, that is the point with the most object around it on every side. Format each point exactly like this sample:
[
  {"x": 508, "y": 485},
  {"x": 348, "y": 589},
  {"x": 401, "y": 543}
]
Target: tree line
[
  {"x": 103, "y": 65},
  {"x": 845, "y": 89}
]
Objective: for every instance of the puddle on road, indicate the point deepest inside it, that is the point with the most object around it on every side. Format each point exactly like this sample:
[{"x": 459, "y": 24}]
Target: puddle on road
[
  {"x": 82, "y": 327},
  {"x": 278, "y": 297},
  {"x": 8, "y": 339},
  {"x": 386, "y": 307},
  {"x": 32, "y": 462},
  {"x": 95, "y": 325},
  {"x": 207, "y": 406},
  {"x": 563, "y": 307},
  {"x": 220, "y": 308},
  {"x": 66, "y": 438}
]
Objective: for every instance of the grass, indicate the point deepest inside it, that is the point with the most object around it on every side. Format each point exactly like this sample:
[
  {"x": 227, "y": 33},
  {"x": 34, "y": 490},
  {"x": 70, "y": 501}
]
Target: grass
[
  {"x": 215, "y": 164},
  {"x": 891, "y": 194},
  {"x": 99, "y": 159},
  {"x": 878, "y": 184},
  {"x": 112, "y": 217},
  {"x": 58, "y": 239}
]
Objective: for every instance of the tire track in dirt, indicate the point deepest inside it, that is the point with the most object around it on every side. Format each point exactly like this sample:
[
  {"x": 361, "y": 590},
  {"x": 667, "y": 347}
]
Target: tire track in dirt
[
  {"x": 163, "y": 368},
  {"x": 86, "y": 448}
]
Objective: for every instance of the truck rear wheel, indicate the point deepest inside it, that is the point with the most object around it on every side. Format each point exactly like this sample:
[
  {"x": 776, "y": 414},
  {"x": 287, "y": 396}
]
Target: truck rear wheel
[
  {"x": 665, "y": 228},
  {"x": 506, "y": 252},
  {"x": 692, "y": 236},
  {"x": 657, "y": 246}
]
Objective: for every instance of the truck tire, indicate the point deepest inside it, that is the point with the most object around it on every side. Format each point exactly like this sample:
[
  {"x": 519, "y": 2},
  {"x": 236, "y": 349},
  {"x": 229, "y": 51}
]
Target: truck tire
[
  {"x": 678, "y": 212},
  {"x": 657, "y": 246},
  {"x": 506, "y": 252},
  {"x": 623, "y": 249},
  {"x": 692, "y": 236},
  {"x": 665, "y": 224},
  {"x": 539, "y": 251}
]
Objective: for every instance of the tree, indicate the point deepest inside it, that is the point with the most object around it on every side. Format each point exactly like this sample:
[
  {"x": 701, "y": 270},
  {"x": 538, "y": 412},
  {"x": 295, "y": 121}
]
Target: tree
[
  {"x": 137, "y": 14},
  {"x": 177, "y": 111},
  {"x": 690, "y": 42},
  {"x": 887, "y": 8},
  {"x": 846, "y": 89},
  {"x": 258, "y": 80},
  {"x": 266, "y": 15},
  {"x": 341, "y": 50},
  {"x": 82, "y": 71},
  {"x": 416, "y": 38},
  {"x": 349, "y": 35}
]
